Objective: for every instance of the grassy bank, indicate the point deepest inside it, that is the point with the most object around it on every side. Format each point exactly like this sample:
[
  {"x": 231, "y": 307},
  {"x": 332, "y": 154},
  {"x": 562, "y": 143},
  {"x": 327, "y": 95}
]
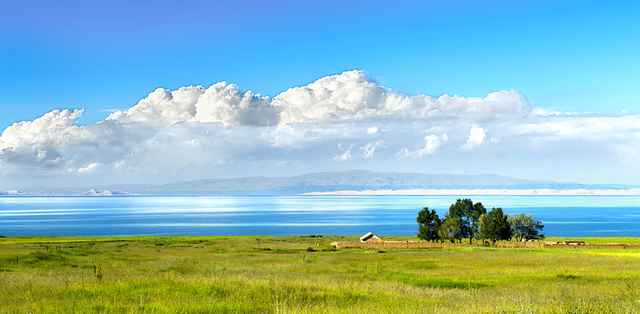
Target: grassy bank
[{"x": 305, "y": 274}]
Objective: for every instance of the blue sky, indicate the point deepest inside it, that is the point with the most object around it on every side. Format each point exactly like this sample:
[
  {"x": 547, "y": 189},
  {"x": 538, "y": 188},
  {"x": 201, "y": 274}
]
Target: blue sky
[{"x": 562, "y": 56}]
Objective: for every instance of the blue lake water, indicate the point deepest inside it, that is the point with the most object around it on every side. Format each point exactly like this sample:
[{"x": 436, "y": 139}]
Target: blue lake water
[{"x": 296, "y": 215}]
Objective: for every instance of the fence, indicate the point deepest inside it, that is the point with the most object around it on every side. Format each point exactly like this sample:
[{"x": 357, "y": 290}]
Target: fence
[{"x": 504, "y": 244}]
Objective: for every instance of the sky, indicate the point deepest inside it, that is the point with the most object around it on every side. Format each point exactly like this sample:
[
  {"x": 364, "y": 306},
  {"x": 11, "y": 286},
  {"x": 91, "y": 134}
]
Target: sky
[{"x": 107, "y": 92}]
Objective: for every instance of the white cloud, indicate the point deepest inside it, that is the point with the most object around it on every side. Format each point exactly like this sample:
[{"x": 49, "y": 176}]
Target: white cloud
[
  {"x": 346, "y": 153},
  {"x": 224, "y": 103},
  {"x": 196, "y": 132},
  {"x": 90, "y": 168},
  {"x": 351, "y": 95},
  {"x": 348, "y": 96},
  {"x": 36, "y": 142},
  {"x": 476, "y": 138},
  {"x": 432, "y": 143},
  {"x": 581, "y": 127},
  {"x": 163, "y": 107},
  {"x": 220, "y": 102},
  {"x": 369, "y": 148},
  {"x": 287, "y": 135}
]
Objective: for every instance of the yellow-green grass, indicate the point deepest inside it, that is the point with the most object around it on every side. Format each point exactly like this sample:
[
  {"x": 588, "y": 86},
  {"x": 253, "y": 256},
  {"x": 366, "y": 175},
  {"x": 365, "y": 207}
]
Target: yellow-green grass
[{"x": 294, "y": 275}]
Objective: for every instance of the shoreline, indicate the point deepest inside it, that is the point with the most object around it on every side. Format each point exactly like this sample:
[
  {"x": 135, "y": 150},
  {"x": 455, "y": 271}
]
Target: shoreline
[
  {"x": 435, "y": 192},
  {"x": 387, "y": 192}
]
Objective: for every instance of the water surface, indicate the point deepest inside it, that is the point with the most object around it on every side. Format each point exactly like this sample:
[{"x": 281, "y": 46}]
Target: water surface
[{"x": 296, "y": 215}]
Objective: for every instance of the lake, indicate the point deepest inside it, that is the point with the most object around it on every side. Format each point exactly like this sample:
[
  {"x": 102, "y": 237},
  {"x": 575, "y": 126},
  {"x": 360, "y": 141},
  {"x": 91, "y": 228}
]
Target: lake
[{"x": 578, "y": 216}]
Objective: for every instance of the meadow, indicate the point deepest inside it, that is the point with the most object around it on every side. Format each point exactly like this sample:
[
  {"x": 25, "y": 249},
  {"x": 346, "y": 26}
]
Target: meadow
[{"x": 304, "y": 274}]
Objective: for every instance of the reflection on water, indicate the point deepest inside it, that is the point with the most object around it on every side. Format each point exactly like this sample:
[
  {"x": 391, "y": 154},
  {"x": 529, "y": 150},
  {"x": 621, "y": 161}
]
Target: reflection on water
[{"x": 296, "y": 215}]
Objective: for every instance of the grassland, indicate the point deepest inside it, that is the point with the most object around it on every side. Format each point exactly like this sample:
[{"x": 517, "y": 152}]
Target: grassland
[{"x": 306, "y": 275}]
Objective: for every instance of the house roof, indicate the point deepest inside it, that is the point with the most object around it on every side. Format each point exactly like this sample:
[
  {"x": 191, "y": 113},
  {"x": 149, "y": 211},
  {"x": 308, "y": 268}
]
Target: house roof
[{"x": 367, "y": 236}]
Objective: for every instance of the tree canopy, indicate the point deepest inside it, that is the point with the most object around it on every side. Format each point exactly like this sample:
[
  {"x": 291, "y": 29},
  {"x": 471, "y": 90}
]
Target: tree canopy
[
  {"x": 495, "y": 226},
  {"x": 469, "y": 214},
  {"x": 525, "y": 227},
  {"x": 451, "y": 229},
  {"x": 429, "y": 224}
]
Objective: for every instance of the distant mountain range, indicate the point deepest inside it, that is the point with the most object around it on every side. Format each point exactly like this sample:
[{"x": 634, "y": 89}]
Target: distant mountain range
[{"x": 355, "y": 180}]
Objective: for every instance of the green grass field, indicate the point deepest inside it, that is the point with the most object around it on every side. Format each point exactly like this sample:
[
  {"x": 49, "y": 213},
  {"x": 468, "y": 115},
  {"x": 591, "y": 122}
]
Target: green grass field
[{"x": 294, "y": 275}]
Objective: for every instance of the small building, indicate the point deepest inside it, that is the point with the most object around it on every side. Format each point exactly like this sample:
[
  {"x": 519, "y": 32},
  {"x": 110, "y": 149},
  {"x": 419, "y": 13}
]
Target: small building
[{"x": 370, "y": 237}]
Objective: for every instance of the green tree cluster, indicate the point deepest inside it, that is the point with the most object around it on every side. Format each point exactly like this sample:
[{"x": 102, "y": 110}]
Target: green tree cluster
[
  {"x": 495, "y": 226},
  {"x": 466, "y": 219},
  {"x": 525, "y": 227},
  {"x": 468, "y": 215}
]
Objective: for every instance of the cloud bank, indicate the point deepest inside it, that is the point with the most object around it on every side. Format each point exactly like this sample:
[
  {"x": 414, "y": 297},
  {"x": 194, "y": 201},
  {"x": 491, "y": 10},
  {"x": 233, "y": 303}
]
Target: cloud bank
[
  {"x": 338, "y": 122},
  {"x": 349, "y": 96}
]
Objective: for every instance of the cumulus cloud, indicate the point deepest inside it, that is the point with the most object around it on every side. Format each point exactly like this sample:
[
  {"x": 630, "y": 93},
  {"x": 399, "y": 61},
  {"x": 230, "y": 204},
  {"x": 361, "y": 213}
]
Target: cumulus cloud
[
  {"x": 351, "y": 95},
  {"x": 36, "y": 142},
  {"x": 476, "y": 138},
  {"x": 224, "y": 103},
  {"x": 163, "y": 107},
  {"x": 220, "y": 102},
  {"x": 369, "y": 148},
  {"x": 219, "y": 130},
  {"x": 432, "y": 143},
  {"x": 91, "y": 168},
  {"x": 339, "y": 97},
  {"x": 346, "y": 153},
  {"x": 348, "y": 96}
]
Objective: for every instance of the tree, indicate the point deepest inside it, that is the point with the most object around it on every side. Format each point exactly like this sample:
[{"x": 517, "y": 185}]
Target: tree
[
  {"x": 451, "y": 229},
  {"x": 429, "y": 223},
  {"x": 478, "y": 211},
  {"x": 469, "y": 214},
  {"x": 494, "y": 226},
  {"x": 524, "y": 226}
]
